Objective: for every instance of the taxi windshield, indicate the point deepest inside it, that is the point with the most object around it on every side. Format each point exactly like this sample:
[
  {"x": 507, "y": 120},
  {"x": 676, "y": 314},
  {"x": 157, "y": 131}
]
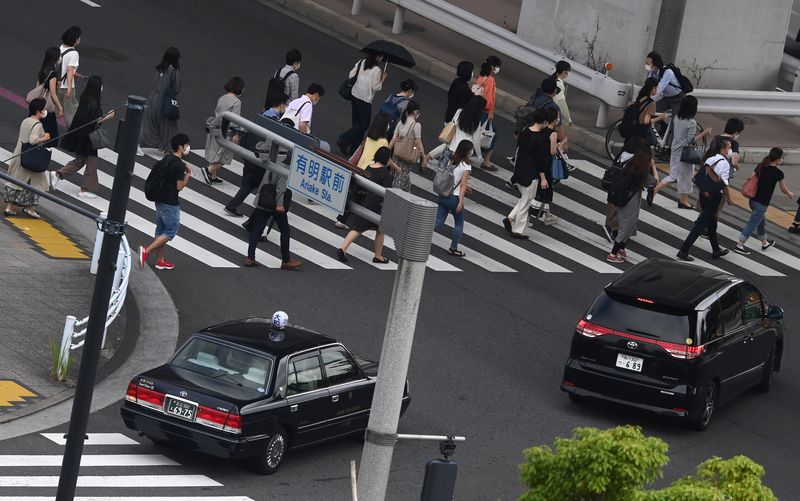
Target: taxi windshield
[{"x": 224, "y": 363}]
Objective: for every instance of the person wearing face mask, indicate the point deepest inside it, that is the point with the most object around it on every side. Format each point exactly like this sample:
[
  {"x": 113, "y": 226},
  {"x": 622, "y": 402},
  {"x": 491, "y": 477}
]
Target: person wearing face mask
[
  {"x": 216, "y": 155},
  {"x": 157, "y": 130},
  {"x": 563, "y": 69},
  {"x": 77, "y": 141},
  {"x": 459, "y": 92},
  {"x": 396, "y": 104},
  {"x": 485, "y": 86},
  {"x": 669, "y": 92},
  {"x": 408, "y": 128},
  {"x": 289, "y": 74},
  {"x": 769, "y": 175},
  {"x": 69, "y": 72},
  {"x": 301, "y": 110},
  {"x": 369, "y": 80},
  {"x": 733, "y": 127},
  {"x": 48, "y": 79},
  {"x": 31, "y": 132},
  {"x": 172, "y": 175}
]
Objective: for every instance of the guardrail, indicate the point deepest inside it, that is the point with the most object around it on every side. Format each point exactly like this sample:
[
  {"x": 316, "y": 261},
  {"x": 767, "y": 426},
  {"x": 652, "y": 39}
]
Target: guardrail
[
  {"x": 72, "y": 340},
  {"x": 609, "y": 91}
]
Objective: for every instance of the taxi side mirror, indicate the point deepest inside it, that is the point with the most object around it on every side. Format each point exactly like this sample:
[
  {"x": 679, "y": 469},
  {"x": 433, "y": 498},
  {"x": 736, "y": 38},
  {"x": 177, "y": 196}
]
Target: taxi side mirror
[{"x": 774, "y": 312}]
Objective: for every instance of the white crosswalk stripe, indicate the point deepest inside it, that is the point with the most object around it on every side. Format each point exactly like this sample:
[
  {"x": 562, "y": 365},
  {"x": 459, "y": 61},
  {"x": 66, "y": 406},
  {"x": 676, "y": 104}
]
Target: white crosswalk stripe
[
  {"x": 130, "y": 498},
  {"x": 150, "y": 482},
  {"x": 574, "y": 244},
  {"x": 94, "y": 439},
  {"x": 88, "y": 460}
]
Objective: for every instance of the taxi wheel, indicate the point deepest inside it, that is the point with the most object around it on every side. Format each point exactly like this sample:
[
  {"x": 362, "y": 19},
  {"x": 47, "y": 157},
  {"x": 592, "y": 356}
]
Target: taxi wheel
[{"x": 271, "y": 456}]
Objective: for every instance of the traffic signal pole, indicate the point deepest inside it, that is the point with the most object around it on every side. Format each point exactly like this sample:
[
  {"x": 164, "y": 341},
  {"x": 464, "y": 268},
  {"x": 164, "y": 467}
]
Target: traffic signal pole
[{"x": 113, "y": 229}]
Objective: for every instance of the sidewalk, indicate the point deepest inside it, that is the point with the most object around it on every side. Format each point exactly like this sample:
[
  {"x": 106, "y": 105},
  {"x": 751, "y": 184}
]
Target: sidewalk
[
  {"x": 438, "y": 50},
  {"x": 38, "y": 291}
]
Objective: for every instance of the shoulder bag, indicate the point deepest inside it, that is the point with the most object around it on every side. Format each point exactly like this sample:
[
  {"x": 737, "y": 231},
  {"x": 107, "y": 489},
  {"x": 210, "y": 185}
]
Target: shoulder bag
[
  {"x": 477, "y": 87},
  {"x": 346, "y": 89},
  {"x": 449, "y": 130},
  {"x": 750, "y": 187},
  {"x": 707, "y": 181},
  {"x": 170, "y": 108},
  {"x": 35, "y": 158},
  {"x": 100, "y": 138},
  {"x": 691, "y": 154},
  {"x": 405, "y": 147},
  {"x": 559, "y": 167}
]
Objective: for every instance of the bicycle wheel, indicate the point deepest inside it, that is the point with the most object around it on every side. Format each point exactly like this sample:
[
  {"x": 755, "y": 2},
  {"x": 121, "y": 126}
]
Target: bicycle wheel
[{"x": 614, "y": 140}]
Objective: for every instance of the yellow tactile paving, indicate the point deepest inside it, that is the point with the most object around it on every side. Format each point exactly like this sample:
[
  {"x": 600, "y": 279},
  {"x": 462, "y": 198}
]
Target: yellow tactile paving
[
  {"x": 48, "y": 238},
  {"x": 780, "y": 217},
  {"x": 11, "y": 391}
]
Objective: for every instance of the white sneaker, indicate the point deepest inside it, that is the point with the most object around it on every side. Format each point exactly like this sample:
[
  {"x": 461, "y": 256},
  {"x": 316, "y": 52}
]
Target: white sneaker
[
  {"x": 54, "y": 180},
  {"x": 139, "y": 151},
  {"x": 86, "y": 194},
  {"x": 549, "y": 220},
  {"x": 341, "y": 225}
]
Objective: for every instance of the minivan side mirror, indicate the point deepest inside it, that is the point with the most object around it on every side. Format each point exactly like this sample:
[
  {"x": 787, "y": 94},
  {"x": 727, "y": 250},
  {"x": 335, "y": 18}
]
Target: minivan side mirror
[{"x": 774, "y": 312}]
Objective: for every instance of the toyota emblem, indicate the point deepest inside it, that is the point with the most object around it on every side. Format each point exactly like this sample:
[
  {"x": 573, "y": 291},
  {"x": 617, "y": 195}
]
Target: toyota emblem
[
  {"x": 185, "y": 394},
  {"x": 633, "y": 345}
]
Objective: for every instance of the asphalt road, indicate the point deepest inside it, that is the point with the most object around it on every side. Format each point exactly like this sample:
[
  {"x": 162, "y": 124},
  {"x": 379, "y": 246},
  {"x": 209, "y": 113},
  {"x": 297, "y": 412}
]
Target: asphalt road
[{"x": 489, "y": 347}]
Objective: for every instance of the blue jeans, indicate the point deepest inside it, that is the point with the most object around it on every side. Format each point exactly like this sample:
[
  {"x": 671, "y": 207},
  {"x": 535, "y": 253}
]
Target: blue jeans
[
  {"x": 168, "y": 219},
  {"x": 448, "y": 205},
  {"x": 756, "y": 222}
]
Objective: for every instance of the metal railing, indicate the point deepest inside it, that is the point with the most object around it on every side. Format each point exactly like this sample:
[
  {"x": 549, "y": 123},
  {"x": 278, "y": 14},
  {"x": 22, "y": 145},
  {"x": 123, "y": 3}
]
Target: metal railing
[
  {"x": 609, "y": 91},
  {"x": 71, "y": 339}
]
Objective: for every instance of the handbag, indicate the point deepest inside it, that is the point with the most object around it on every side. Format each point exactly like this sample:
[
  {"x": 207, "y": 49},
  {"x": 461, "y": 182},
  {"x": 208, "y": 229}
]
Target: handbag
[
  {"x": 405, "y": 147},
  {"x": 477, "y": 87},
  {"x": 41, "y": 91},
  {"x": 487, "y": 136},
  {"x": 707, "y": 181},
  {"x": 346, "y": 88},
  {"x": 750, "y": 187},
  {"x": 691, "y": 154},
  {"x": 100, "y": 138},
  {"x": 447, "y": 133},
  {"x": 33, "y": 157},
  {"x": 170, "y": 108},
  {"x": 559, "y": 167}
]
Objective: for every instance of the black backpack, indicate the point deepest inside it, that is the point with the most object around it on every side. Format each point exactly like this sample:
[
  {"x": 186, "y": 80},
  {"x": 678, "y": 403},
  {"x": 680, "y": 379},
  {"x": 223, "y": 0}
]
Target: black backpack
[
  {"x": 523, "y": 115},
  {"x": 620, "y": 193},
  {"x": 276, "y": 86},
  {"x": 629, "y": 126},
  {"x": 686, "y": 85},
  {"x": 611, "y": 174},
  {"x": 156, "y": 188}
]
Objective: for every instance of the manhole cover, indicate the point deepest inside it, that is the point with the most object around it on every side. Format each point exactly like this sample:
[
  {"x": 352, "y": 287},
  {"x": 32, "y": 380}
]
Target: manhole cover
[
  {"x": 98, "y": 53},
  {"x": 410, "y": 27},
  {"x": 750, "y": 121}
]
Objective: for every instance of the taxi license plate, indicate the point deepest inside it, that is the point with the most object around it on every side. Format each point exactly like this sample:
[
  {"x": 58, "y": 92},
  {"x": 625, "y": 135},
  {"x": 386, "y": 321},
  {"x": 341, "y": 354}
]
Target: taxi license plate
[
  {"x": 181, "y": 409},
  {"x": 629, "y": 362}
]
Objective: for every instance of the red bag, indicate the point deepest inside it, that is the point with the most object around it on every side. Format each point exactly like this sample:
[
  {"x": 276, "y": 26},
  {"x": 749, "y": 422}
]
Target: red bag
[{"x": 750, "y": 187}]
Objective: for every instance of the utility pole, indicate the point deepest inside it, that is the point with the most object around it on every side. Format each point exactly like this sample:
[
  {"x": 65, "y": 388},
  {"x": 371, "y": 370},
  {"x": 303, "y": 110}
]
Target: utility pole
[
  {"x": 113, "y": 228},
  {"x": 409, "y": 220}
]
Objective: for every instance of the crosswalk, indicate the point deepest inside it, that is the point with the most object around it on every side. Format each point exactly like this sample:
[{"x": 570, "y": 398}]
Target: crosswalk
[
  {"x": 146, "y": 477},
  {"x": 575, "y": 244}
]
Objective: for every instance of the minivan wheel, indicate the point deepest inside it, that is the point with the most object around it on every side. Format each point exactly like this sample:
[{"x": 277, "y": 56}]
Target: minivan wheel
[
  {"x": 271, "y": 456},
  {"x": 769, "y": 368},
  {"x": 708, "y": 407}
]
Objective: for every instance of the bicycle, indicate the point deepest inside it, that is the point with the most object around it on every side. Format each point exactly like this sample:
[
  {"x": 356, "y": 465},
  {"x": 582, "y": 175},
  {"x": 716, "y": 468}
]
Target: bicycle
[{"x": 662, "y": 148}]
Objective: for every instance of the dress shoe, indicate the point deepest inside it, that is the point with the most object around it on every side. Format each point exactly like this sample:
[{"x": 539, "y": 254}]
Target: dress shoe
[{"x": 291, "y": 264}]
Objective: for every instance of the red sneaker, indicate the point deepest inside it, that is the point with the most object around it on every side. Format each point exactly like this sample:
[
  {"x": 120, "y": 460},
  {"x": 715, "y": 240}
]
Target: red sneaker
[
  {"x": 163, "y": 264},
  {"x": 142, "y": 256}
]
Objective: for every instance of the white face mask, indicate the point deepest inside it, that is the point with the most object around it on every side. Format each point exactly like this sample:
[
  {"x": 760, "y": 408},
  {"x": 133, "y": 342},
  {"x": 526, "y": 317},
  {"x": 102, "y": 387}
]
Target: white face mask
[
  {"x": 44, "y": 113},
  {"x": 187, "y": 150},
  {"x": 648, "y": 67},
  {"x": 496, "y": 71}
]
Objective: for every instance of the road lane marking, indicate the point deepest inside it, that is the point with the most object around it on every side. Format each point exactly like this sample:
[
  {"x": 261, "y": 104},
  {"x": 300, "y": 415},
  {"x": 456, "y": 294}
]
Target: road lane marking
[
  {"x": 90, "y": 3},
  {"x": 94, "y": 439},
  {"x": 87, "y": 460},
  {"x": 138, "y": 481}
]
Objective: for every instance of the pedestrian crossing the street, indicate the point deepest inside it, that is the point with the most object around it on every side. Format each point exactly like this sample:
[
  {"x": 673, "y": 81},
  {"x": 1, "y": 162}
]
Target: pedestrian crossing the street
[
  {"x": 575, "y": 244},
  {"x": 111, "y": 470}
]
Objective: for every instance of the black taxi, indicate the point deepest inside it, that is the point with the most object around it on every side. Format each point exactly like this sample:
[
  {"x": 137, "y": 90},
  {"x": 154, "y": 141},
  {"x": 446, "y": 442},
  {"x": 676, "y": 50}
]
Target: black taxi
[
  {"x": 246, "y": 390},
  {"x": 676, "y": 339}
]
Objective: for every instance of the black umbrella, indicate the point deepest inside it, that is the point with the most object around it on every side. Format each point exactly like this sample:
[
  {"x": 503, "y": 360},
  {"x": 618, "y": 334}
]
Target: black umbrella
[{"x": 395, "y": 54}]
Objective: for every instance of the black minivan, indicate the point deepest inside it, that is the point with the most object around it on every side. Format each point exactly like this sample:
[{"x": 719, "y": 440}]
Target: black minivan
[{"x": 676, "y": 339}]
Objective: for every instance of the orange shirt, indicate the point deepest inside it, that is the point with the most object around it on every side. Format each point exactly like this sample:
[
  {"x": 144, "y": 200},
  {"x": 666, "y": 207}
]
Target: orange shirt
[{"x": 488, "y": 91}]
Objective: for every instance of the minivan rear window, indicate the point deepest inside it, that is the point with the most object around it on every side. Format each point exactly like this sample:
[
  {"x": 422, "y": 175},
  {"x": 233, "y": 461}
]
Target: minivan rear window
[{"x": 646, "y": 320}]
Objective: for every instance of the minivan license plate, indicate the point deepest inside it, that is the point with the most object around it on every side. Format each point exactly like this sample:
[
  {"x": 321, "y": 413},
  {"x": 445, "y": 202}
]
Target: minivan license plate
[
  {"x": 181, "y": 409},
  {"x": 629, "y": 362}
]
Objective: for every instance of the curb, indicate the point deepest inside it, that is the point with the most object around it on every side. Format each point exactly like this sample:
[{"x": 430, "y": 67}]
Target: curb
[
  {"x": 155, "y": 326},
  {"x": 356, "y": 33}
]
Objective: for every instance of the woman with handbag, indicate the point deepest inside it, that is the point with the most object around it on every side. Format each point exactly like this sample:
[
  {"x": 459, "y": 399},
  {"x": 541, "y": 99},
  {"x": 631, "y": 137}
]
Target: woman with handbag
[
  {"x": 766, "y": 176},
  {"x": 407, "y": 146},
  {"x": 160, "y": 122},
  {"x": 216, "y": 155},
  {"x": 369, "y": 78},
  {"x": 544, "y": 170},
  {"x": 466, "y": 126},
  {"x": 374, "y": 140},
  {"x": 31, "y": 133},
  {"x": 47, "y": 85},
  {"x": 485, "y": 86},
  {"x": 626, "y": 195},
  {"x": 77, "y": 139},
  {"x": 684, "y": 155}
]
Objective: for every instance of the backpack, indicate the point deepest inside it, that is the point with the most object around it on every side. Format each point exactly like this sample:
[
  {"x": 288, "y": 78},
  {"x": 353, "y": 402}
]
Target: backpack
[
  {"x": 629, "y": 126},
  {"x": 62, "y": 78},
  {"x": 156, "y": 188},
  {"x": 611, "y": 174},
  {"x": 276, "y": 86},
  {"x": 443, "y": 179},
  {"x": 685, "y": 84},
  {"x": 523, "y": 115},
  {"x": 620, "y": 192},
  {"x": 293, "y": 116},
  {"x": 391, "y": 108}
]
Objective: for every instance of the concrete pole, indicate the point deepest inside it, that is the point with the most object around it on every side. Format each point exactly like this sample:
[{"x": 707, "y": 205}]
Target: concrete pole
[
  {"x": 668, "y": 30},
  {"x": 356, "y": 10},
  {"x": 399, "y": 20}
]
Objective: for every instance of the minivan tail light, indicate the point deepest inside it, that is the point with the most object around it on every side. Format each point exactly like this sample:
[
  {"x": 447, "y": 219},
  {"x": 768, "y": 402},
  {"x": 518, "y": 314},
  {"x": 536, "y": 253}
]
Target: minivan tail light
[
  {"x": 213, "y": 418},
  {"x": 145, "y": 397},
  {"x": 676, "y": 350}
]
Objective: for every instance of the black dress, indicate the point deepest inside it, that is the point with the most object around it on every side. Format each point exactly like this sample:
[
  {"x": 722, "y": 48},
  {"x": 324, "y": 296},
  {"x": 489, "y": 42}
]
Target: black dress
[
  {"x": 77, "y": 138},
  {"x": 524, "y": 168},
  {"x": 543, "y": 161},
  {"x": 373, "y": 202}
]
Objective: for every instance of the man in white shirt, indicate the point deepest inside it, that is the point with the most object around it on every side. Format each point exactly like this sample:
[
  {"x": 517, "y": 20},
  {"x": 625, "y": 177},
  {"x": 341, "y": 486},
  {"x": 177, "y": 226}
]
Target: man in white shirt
[
  {"x": 712, "y": 191},
  {"x": 69, "y": 72},
  {"x": 300, "y": 111}
]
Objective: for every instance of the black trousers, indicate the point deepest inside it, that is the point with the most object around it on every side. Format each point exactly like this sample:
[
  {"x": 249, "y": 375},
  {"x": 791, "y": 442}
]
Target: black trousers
[
  {"x": 259, "y": 220},
  {"x": 705, "y": 221},
  {"x": 361, "y": 116},
  {"x": 251, "y": 178}
]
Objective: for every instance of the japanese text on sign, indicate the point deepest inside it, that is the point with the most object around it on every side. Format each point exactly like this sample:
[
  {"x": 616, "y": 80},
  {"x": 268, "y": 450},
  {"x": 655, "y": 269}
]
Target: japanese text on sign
[{"x": 319, "y": 179}]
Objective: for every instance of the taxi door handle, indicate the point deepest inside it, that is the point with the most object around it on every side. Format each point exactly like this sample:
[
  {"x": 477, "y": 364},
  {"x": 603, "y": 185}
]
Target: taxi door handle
[
  {"x": 293, "y": 408},
  {"x": 335, "y": 398}
]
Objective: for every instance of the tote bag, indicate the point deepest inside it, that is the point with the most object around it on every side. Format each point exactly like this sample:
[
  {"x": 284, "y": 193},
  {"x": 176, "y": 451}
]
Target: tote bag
[
  {"x": 405, "y": 147},
  {"x": 750, "y": 187}
]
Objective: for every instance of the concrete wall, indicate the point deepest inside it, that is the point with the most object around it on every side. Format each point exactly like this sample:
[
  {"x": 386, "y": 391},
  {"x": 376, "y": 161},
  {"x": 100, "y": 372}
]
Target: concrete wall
[
  {"x": 627, "y": 28},
  {"x": 744, "y": 37}
]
